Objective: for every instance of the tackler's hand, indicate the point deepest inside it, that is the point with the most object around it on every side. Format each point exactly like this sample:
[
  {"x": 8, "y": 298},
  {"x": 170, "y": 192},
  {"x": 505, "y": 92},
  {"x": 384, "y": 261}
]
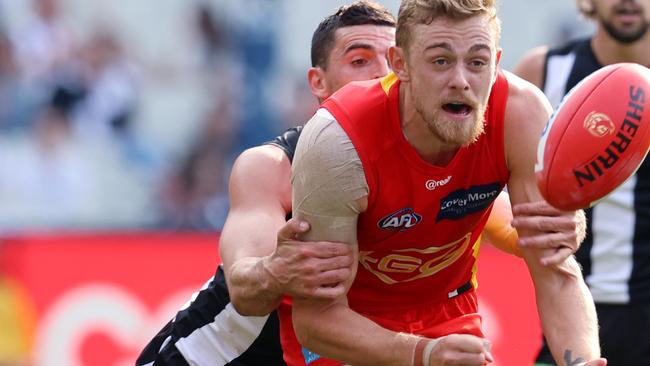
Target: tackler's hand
[{"x": 308, "y": 269}]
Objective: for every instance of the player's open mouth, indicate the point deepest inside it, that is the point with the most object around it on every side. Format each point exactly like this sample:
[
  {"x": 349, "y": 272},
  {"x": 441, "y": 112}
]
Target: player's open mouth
[
  {"x": 459, "y": 109},
  {"x": 628, "y": 13}
]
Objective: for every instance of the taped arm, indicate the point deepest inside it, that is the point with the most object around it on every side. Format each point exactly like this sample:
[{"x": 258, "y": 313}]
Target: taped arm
[{"x": 330, "y": 191}]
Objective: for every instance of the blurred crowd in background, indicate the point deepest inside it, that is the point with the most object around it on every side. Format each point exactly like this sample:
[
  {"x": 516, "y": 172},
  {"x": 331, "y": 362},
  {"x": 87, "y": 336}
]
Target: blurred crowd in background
[
  {"x": 99, "y": 132},
  {"x": 72, "y": 153},
  {"x": 121, "y": 115}
]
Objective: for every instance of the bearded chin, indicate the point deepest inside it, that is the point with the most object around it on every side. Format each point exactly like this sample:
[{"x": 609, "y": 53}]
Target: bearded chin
[
  {"x": 626, "y": 37},
  {"x": 459, "y": 134}
]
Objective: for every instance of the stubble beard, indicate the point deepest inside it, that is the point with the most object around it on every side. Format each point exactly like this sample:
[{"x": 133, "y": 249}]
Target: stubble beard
[
  {"x": 456, "y": 133},
  {"x": 625, "y": 36}
]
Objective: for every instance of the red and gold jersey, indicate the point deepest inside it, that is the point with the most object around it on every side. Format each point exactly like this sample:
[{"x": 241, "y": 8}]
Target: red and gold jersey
[{"x": 419, "y": 237}]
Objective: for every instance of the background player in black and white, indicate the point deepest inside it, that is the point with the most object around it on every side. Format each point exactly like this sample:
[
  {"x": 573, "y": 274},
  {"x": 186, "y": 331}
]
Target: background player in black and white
[{"x": 615, "y": 256}]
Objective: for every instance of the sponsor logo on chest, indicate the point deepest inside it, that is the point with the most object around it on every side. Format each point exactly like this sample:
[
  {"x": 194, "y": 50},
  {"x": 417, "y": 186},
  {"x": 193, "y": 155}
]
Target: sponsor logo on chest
[
  {"x": 432, "y": 184},
  {"x": 401, "y": 220},
  {"x": 463, "y": 202}
]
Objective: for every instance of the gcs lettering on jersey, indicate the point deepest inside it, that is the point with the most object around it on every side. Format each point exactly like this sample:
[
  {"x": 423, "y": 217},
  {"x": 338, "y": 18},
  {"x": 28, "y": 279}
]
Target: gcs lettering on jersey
[{"x": 403, "y": 219}]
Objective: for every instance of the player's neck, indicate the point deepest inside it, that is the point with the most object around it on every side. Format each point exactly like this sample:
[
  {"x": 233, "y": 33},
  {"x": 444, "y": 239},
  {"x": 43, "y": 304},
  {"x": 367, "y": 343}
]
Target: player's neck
[
  {"x": 430, "y": 148},
  {"x": 609, "y": 51}
]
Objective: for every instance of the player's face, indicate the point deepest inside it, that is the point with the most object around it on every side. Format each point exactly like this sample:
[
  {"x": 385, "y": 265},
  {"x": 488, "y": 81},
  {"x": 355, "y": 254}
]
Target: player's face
[
  {"x": 626, "y": 21},
  {"x": 452, "y": 66},
  {"x": 359, "y": 53}
]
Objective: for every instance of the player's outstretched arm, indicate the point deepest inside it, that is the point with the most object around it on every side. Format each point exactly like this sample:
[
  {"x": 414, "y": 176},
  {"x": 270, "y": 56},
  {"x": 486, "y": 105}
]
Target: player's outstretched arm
[
  {"x": 564, "y": 303},
  {"x": 262, "y": 260},
  {"x": 548, "y": 228}
]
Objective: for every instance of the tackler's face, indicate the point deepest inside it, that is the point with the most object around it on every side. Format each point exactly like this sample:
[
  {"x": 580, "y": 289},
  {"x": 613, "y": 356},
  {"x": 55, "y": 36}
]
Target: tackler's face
[
  {"x": 627, "y": 21},
  {"x": 359, "y": 53},
  {"x": 451, "y": 66}
]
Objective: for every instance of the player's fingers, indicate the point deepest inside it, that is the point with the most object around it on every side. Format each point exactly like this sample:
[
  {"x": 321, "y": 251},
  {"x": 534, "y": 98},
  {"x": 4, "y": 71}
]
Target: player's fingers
[
  {"x": 544, "y": 223},
  {"x": 332, "y": 277},
  {"x": 293, "y": 227},
  {"x": 488, "y": 350},
  {"x": 462, "y": 349},
  {"x": 329, "y": 292},
  {"x": 464, "y": 343},
  {"x": 466, "y": 359},
  {"x": 548, "y": 240},
  {"x": 331, "y": 249},
  {"x": 332, "y": 263},
  {"x": 536, "y": 208},
  {"x": 597, "y": 362},
  {"x": 558, "y": 257}
]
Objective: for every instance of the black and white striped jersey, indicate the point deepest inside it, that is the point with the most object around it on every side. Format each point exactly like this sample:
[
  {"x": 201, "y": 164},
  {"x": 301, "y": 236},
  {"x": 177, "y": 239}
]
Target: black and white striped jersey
[
  {"x": 615, "y": 256},
  {"x": 208, "y": 330}
]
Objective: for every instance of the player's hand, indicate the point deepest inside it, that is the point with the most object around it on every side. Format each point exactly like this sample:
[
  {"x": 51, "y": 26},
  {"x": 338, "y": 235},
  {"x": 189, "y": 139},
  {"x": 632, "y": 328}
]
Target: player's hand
[
  {"x": 557, "y": 233},
  {"x": 308, "y": 269},
  {"x": 597, "y": 362},
  {"x": 461, "y": 350}
]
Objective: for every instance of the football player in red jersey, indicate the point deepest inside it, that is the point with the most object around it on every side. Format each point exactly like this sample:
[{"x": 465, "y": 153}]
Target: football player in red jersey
[
  {"x": 261, "y": 265},
  {"x": 360, "y": 174}
]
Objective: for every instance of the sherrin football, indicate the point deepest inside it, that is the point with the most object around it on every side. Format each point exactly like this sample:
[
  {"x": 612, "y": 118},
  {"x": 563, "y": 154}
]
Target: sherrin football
[{"x": 597, "y": 138}]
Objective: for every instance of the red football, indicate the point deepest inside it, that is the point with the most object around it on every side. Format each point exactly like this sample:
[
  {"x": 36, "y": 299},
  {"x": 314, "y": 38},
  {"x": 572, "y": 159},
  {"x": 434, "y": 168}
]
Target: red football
[{"x": 597, "y": 138}]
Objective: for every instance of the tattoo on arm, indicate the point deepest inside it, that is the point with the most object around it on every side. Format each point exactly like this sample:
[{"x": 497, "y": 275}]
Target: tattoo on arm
[{"x": 569, "y": 361}]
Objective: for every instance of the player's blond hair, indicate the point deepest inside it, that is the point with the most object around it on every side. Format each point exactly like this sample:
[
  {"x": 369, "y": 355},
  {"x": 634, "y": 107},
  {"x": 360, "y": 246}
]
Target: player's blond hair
[{"x": 412, "y": 12}]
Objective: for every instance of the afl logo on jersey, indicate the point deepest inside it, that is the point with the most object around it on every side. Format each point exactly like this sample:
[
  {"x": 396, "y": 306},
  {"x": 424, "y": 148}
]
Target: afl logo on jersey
[{"x": 401, "y": 220}]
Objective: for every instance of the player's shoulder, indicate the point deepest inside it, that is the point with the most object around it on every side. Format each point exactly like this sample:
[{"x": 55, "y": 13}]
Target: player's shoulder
[
  {"x": 525, "y": 99},
  {"x": 531, "y": 65},
  {"x": 261, "y": 175},
  {"x": 261, "y": 162},
  {"x": 522, "y": 91},
  {"x": 287, "y": 141},
  {"x": 267, "y": 153}
]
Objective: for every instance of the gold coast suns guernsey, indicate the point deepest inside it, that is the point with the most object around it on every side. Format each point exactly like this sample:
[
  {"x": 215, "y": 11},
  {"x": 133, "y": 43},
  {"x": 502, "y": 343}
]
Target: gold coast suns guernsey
[{"x": 419, "y": 237}]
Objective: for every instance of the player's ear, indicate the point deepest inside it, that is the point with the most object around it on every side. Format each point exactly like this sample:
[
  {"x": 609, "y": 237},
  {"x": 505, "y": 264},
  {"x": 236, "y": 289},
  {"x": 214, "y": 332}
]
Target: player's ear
[
  {"x": 496, "y": 69},
  {"x": 397, "y": 61},
  {"x": 587, "y": 7},
  {"x": 318, "y": 82}
]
